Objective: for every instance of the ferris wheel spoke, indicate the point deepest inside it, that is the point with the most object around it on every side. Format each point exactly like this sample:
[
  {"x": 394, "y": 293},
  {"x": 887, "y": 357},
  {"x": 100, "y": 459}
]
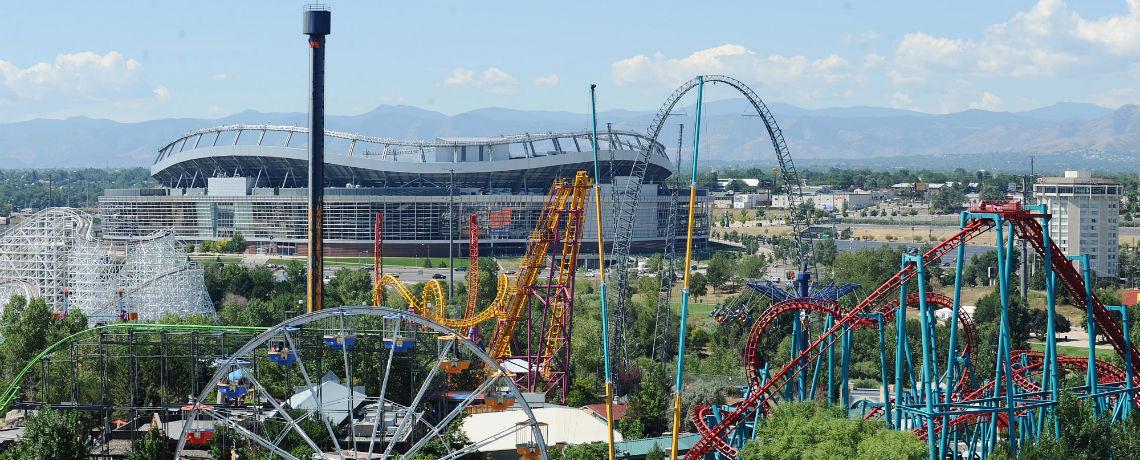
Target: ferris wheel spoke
[
  {"x": 383, "y": 389},
  {"x": 193, "y": 421},
  {"x": 348, "y": 377},
  {"x": 436, "y": 429},
  {"x": 285, "y": 414},
  {"x": 312, "y": 389},
  {"x": 404, "y": 426},
  {"x": 251, "y": 435},
  {"x": 479, "y": 444},
  {"x": 411, "y": 413}
]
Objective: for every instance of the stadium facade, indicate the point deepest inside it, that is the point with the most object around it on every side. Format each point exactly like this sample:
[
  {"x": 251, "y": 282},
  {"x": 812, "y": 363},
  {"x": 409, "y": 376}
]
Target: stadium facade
[{"x": 251, "y": 179}]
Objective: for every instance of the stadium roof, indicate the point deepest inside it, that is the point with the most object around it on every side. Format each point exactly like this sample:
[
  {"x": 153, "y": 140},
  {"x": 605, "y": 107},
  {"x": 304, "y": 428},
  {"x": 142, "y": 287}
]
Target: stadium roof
[{"x": 275, "y": 156}]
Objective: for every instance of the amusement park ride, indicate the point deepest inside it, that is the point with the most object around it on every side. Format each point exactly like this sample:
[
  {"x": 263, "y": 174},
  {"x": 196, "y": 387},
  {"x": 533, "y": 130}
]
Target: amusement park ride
[
  {"x": 374, "y": 382},
  {"x": 960, "y": 411},
  {"x": 371, "y": 381},
  {"x": 540, "y": 361}
]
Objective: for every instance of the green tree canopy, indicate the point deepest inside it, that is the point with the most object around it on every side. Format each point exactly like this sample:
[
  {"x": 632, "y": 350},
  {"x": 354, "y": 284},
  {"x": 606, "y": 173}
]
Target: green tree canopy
[
  {"x": 809, "y": 431},
  {"x": 51, "y": 434}
]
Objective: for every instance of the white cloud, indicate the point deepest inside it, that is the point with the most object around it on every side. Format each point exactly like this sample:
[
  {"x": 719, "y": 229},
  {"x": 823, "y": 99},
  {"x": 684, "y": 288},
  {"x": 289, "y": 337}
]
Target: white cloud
[
  {"x": 1046, "y": 40},
  {"x": 1116, "y": 97},
  {"x": 796, "y": 77},
  {"x": 215, "y": 111},
  {"x": 900, "y": 100},
  {"x": 219, "y": 77},
  {"x": 393, "y": 100},
  {"x": 492, "y": 80},
  {"x": 546, "y": 80},
  {"x": 459, "y": 77},
  {"x": 989, "y": 101},
  {"x": 161, "y": 93},
  {"x": 82, "y": 83},
  {"x": 861, "y": 39}
]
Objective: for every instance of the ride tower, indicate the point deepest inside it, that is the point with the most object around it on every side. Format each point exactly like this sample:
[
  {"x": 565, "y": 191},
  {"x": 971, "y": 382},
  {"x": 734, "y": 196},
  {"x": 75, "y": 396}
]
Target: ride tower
[{"x": 317, "y": 25}]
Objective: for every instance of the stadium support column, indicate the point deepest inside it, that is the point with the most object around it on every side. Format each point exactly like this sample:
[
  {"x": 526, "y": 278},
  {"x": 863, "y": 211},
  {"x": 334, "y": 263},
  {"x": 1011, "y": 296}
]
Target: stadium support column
[{"x": 317, "y": 20}]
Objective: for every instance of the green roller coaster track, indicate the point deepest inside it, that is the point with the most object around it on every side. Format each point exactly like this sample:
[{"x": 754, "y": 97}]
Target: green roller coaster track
[{"x": 13, "y": 387}]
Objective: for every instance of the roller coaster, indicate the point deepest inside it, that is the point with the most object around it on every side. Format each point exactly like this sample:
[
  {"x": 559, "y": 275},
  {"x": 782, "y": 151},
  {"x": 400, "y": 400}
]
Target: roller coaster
[
  {"x": 540, "y": 354},
  {"x": 940, "y": 398},
  {"x": 373, "y": 381}
]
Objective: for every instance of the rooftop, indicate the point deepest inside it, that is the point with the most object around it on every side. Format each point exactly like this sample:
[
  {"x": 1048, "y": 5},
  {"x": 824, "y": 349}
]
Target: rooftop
[{"x": 1076, "y": 177}]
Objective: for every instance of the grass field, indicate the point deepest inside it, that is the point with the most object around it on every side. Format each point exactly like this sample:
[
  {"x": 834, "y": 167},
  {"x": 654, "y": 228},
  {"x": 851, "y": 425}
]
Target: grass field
[
  {"x": 1068, "y": 350},
  {"x": 210, "y": 258},
  {"x": 388, "y": 261}
]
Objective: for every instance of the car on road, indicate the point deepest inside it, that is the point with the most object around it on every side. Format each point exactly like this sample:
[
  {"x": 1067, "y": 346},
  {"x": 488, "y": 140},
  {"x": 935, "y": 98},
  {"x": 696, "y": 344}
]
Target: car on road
[
  {"x": 509, "y": 272},
  {"x": 438, "y": 276},
  {"x": 393, "y": 275}
]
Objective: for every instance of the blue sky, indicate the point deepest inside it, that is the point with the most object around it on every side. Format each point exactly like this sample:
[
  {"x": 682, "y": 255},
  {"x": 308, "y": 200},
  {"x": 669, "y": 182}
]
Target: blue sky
[{"x": 135, "y": 60}]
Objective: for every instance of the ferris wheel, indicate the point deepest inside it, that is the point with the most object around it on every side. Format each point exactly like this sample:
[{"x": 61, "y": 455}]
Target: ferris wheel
[{"x": 357, "y": 383}]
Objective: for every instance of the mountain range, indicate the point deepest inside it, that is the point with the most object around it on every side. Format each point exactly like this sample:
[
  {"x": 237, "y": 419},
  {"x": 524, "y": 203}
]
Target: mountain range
[{"x": 1063, "y": 135}]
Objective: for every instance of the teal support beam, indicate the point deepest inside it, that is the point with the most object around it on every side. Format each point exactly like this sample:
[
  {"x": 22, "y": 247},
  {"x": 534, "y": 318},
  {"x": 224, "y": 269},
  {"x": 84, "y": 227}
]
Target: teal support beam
[
  {"x": 928, "y": 371},
  {"x": 1130, "y": 396},
  {"x": 1090, "y": 327},
  {"x": 951, "y": 380}
]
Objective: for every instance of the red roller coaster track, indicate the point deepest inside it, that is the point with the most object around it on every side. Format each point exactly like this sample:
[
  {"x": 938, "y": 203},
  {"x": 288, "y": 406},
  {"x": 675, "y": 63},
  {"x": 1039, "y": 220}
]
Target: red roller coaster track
[{"x": 1025, "y": 225}]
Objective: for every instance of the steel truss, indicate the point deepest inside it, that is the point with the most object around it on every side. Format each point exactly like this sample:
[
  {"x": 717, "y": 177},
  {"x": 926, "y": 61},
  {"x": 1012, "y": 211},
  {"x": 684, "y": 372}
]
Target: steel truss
[
  {"x": 124, "y": 370},
  {"x": 626, "y": 199},
  {"x": 533, "y": 315},
  {"x": 359, "y": 382},
  {"x": 939, "y": 396},
  {"x": 54, "y": 255}
]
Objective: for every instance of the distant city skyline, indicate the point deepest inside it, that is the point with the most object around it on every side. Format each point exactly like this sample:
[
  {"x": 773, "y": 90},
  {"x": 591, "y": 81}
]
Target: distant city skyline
[{"x": 131, "y": 61}]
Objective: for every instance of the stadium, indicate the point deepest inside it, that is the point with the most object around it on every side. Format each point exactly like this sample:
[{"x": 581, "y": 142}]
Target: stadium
[{"x": 251, "y": 179}]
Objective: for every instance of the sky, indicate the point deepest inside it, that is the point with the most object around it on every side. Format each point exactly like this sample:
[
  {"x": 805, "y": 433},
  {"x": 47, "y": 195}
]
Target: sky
[{"x": 138, "y": 60}]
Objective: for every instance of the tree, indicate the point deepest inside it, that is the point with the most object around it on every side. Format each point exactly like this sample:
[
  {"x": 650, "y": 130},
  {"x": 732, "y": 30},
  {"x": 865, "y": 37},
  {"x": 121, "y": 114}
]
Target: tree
[
  {"x": 807, "y": 430},
  {"x": 236, "y": 244},
  {"x": 51, "y": 434},
  {"x": 589, "y": 451},
  {"x": 720, "y": 269},
  {"x": 152, "y": 446},
  {"x": 349, "y": 287},
  {"x": 649, "y": 404},
  {"x": 427, "y": 263},
  {"x": 752, "y": 266},
  {"x": 991, "y": 192},
  {"x": 703, "y": 391},
  {"x": 654, "y": 262},
  {"x": 655, "y": 453},
  {"x": 826, "y": 251},
  {"x": 1039, "y": 323},
  {"x": 698, "y": 285},
  {"x": 27, "y": 329}
]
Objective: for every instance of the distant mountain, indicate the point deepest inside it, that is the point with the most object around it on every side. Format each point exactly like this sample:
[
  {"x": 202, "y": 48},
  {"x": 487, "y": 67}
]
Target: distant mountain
[
  {"x": 1070, "y": 134},
  {"x": 1068, "y": 111}
]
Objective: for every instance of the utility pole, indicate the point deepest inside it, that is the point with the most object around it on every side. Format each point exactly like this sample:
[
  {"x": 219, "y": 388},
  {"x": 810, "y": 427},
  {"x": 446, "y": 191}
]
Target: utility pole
[
  {"x": 1026, "y": 190},
  {"x": 451, "y": 235}
]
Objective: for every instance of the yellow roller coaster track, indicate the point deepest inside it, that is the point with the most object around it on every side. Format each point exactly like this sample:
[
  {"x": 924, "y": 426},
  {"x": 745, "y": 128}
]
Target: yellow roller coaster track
[
  {"x": 431, "y": 303},
  {"x": 567, "y": 265},
  {"x": 562, "y": 214}
]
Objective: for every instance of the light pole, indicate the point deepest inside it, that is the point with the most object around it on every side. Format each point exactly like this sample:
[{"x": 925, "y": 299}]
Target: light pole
[{"x": 451, "y": 235}]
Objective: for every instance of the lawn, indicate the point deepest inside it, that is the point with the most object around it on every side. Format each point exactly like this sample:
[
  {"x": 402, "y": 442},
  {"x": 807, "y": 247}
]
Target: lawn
[
  {"x": 1067, "y": 350},
  {"x": 388, "y": 261},
  {"x": 211, "y": 258}
]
